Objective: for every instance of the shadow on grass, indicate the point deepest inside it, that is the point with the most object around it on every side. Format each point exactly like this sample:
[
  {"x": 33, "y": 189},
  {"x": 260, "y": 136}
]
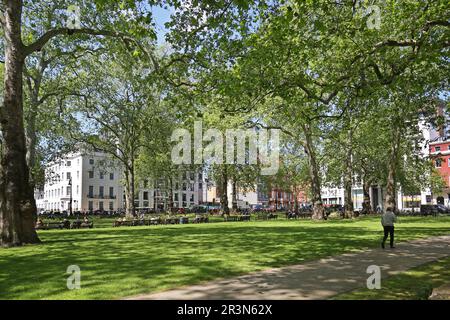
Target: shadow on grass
[{"x": 127, "y": 261}]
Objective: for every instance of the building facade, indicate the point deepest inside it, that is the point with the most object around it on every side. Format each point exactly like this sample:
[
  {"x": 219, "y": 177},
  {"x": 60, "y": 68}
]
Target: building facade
[
  {"x": 335, "y": 196},
  {"x": 92, "y": 182},
  {"x": 276, "y": 198},
  {"x": 440, "y": 155}
]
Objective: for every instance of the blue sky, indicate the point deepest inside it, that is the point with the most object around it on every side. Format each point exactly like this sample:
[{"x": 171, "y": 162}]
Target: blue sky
[{"x": 161, "y": 16}]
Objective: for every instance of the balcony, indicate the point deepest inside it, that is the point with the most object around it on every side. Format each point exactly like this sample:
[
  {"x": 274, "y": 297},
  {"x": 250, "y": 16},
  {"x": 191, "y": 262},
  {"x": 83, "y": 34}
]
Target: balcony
[{"x": 99, "y": 196}]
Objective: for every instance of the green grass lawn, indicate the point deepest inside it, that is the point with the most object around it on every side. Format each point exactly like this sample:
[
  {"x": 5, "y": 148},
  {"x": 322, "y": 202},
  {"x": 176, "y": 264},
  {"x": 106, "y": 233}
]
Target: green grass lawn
[
  {"x": 414, "y": 284},
  {"x": 119, "y": 262}
]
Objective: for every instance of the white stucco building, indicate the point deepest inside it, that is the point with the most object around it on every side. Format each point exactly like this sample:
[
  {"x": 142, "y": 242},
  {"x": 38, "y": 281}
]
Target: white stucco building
[{"x": 94, "y": 182}]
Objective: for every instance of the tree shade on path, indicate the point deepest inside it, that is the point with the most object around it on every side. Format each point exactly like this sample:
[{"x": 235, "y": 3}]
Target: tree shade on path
[{"x": 319, "y": 279}]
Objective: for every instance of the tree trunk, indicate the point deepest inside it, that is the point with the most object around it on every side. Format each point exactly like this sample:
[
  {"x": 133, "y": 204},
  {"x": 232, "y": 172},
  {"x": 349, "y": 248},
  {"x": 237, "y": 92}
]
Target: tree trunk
[
  {"x": 17, "y": 204},
  {"x": 31, "y": 140},
  {"x": 276, "y": 198},
  {"x": 234, "y": 196},
  {"x": 170, "y": 194},
  {"x": 34, "y": 87},
  {"x": 130, "y": 209},
  {"x": 348, "y": 180},
  {"x": 295, "y": 195},
  {"x": 391, "y": 187},
  {"x": 318, "y": 209},
  {"x": 366, "y": 206},
  {"x": 348, "y": 201},
  {"x": 224, "y": 195}
]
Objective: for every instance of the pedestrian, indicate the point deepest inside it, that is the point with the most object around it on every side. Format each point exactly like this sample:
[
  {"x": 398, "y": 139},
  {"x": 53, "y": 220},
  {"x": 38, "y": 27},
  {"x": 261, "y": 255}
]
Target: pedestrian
[{"x": 387, "y": 221}]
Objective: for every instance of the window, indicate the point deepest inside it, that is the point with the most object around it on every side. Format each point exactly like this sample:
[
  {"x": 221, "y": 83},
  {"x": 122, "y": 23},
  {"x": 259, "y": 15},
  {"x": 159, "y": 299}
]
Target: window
[
  {"x": 78, "y": 189},
  {"x": 91, "y": 205},
  {"x": 438, "y": 163},
  {"x": 101, "y": 191},
  {"x": 111, "y": 176},
  {"x": 91, "y": 174},
  {"x": 437, "y": 149},
  {"x": 91, "y": 192},
  {"x": 184, "y": 197},
  {"x": 191, "y": 198},
  {"x": 68, "y": 190},
  {"x": 145, "y": 196},
  {"x": 102, "y": 175},
  {"x": 78, "y": 174},
  {"x": 68, "y": 175},
  {"x": 191, "y": 187},
  {"x": 111, "y": 205},
  {"x": 200, "y": 186},
  {"x": 91, "y": 161},
  {"x": 192, "y": 176},
  {"x": 175, "y": 197},
  {"x": 68, "y": 163},
  {"x": 100, "y": 205},
  {"x": 111, "y": 192}
]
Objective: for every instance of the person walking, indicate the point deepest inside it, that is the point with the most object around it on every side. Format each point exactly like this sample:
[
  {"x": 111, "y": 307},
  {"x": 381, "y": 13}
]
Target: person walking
[{"x": 387, "y": 221}]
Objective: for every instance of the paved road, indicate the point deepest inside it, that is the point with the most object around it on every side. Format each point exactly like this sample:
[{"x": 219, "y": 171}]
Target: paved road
[{"x": 319, "y": 279}]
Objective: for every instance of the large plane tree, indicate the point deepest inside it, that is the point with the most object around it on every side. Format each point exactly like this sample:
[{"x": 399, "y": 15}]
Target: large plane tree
[{"x": 17, "y": 204}]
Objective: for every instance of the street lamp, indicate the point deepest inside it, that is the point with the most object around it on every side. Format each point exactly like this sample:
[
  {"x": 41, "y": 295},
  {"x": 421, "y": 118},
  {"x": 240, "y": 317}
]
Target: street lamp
[{"x": 70, "y": 199}]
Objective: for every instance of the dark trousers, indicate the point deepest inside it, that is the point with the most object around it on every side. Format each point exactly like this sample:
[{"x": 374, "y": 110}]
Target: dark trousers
[{"x": 389, "y": 230}]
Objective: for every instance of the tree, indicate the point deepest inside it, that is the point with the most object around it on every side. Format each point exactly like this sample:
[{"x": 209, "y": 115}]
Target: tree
[
  {"x": 310, "y": 53},
  {"x": 114, "y": 111},
  {"x": 17, "y": 204}
]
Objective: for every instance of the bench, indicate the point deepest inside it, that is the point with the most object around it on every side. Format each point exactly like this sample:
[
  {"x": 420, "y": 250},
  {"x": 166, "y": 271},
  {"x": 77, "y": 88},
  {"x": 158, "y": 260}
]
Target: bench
[
  {"x": 81, "y": 225},
  {"x": 154, "y": 221},
  {"x": 127, "y": 223},
  {"x": 267, "y": 216},
  {"x": 171, "y": 221},
  {"x": 200, "y": 220},
  {"x": 53, "y": 225},
  {"x": 231, "y": 218},
  {"x": 184, "y": 220},
  {"x": 292, "y": 215},
  {"x": 137, "y": 222}
]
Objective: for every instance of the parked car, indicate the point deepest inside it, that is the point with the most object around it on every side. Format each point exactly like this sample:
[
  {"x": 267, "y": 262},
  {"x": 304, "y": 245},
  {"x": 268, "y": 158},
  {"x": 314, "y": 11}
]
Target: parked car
[
  {"x": 257, "y": 207},
  {"x": 197, "y": 209},
  {"x": 442, "y": 209},
  {"x": 433, "y": 209},
  {"x": 428, "y": 209}
]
